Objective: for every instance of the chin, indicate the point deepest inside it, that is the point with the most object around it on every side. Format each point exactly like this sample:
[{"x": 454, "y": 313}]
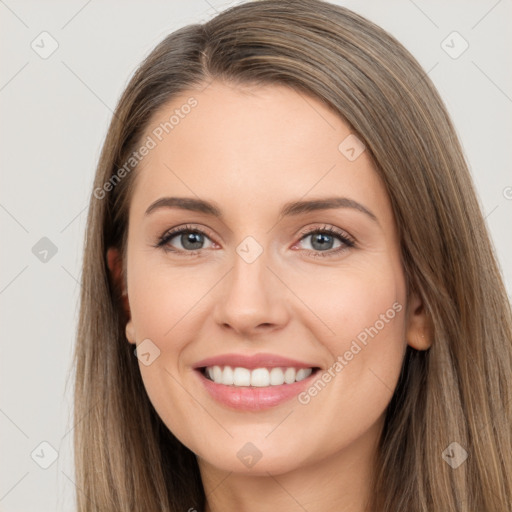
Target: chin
[{"x": 257, "y": 458}]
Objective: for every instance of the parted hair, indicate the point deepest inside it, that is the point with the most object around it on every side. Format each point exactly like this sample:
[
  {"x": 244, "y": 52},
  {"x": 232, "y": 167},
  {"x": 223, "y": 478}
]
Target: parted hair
[{"x": 459, "y": 390}]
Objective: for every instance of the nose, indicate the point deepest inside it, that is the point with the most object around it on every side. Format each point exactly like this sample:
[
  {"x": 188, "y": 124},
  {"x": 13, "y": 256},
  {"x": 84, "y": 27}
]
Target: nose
[{"x": 251, "y": 299}]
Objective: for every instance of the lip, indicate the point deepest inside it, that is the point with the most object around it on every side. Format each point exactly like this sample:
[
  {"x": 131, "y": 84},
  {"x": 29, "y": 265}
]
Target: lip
[
  {"x": 254, "y": 361},
  {"x": 245, "y": 398}
]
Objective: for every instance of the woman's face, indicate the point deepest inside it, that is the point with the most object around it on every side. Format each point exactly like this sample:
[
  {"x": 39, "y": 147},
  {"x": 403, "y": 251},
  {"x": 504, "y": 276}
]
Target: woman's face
[{"x": 289, "y": 251}]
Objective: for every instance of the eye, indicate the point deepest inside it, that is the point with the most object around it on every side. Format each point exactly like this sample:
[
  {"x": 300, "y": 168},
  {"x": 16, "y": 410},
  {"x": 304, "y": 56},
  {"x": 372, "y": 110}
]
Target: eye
[
  {"x": 186, "y": 239},
  {"x": 189, "y": 241},
  {"x": 327, "y": 241}
]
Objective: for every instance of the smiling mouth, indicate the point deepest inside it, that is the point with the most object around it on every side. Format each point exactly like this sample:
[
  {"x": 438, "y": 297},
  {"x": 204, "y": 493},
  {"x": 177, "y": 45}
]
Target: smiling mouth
[{"x": 257, "y": 377}]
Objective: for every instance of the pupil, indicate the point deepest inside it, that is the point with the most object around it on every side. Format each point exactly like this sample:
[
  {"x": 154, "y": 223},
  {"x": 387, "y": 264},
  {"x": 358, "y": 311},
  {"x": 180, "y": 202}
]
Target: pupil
[
  {"x": 194, "y": 241},
  {"x": 322, "y": 240},
  {"x": 191, "y": 241}
]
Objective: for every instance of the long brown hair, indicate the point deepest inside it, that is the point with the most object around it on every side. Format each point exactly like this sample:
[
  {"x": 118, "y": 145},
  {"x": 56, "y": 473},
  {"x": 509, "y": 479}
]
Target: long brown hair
[{"x": 457, "y": 391}]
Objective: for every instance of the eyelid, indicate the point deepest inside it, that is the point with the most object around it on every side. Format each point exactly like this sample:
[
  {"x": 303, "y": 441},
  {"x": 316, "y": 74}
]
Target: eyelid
[
  {"x": 169, "y": 234},
  {"x": 329, "y": 229},
  {"x": 187, "y": 227},
  {"x": 347, "y": 241},
  {"x": 345, "y": 238}
]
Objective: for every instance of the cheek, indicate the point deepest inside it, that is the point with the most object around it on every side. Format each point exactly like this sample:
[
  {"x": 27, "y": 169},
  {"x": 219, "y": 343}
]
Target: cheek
[
  {"x": 353, "y": 314},
  {"x": 162, "y": 298},
  {"x": 355, "y": 303},
  {"x": 365, "y": 313},
  {"x": 164, "y": 303}
]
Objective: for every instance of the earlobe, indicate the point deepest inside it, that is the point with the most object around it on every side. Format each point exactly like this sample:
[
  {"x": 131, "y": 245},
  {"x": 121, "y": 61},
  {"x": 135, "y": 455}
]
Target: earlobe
[
  {"x": 418, "y": 330},
  {"x": 130, "y": 332}
]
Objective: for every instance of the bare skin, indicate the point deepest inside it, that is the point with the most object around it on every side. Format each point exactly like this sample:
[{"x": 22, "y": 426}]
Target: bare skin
[{"x": 249, "y": 151}]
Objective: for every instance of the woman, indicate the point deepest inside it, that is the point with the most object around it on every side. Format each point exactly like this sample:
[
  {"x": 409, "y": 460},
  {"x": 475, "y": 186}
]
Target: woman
[{"x": 284, "y": 228}]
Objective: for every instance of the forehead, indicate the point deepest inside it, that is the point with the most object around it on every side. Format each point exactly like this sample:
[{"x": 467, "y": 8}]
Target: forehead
[{"x": 252, "y": 147}]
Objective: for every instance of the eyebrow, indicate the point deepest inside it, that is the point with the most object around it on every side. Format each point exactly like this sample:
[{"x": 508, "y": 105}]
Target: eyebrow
[{"x": 289, "y": 209}]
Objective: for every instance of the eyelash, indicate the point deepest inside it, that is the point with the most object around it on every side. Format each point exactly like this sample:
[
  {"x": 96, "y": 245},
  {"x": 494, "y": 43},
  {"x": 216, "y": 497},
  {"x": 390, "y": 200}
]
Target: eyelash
[{"x": 343, "y": 237}]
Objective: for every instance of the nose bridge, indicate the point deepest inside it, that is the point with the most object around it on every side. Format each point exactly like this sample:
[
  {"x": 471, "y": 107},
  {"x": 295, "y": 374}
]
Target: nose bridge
[
  {"x": 250, "y": 294},
  {"x": 250, "y": 269},
  {"x": 249, "y": 285}
]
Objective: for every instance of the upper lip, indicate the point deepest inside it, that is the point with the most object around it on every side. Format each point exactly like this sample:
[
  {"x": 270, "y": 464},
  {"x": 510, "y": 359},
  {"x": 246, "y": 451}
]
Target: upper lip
[{"x": 251, "y": 362}]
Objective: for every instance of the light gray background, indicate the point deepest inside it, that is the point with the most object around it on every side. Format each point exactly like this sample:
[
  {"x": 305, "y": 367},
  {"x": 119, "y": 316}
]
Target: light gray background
[{"x": 54, "y": 116}]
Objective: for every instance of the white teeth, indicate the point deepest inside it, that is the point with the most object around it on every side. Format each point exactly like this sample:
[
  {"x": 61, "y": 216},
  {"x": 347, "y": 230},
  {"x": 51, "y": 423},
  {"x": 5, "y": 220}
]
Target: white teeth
[
  {"x": 227, "y": 376},
  {"x": 303, "y": 373},
  {"x": 241, "y": 377},
  {"x": 289, "y": 375},
  {"x": 276, "y": 377},
  {"x": 259, "y": 377},
  {"x": 217, "y": 373}
]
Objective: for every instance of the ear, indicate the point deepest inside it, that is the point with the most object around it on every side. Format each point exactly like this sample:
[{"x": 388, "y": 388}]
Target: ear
[
  {"x": 418, "y": 327},
  {"x": 115, "y": 265}
]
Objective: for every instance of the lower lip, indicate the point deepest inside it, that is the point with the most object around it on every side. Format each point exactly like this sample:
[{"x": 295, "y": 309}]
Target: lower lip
[{"x": 246, "y": 398}]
